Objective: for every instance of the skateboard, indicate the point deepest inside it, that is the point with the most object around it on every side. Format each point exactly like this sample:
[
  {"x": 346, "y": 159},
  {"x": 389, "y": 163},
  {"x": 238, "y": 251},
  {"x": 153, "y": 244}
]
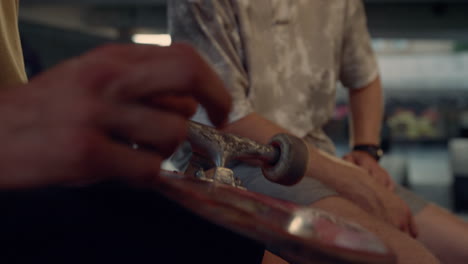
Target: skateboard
[{"x": 298, "y": 234}]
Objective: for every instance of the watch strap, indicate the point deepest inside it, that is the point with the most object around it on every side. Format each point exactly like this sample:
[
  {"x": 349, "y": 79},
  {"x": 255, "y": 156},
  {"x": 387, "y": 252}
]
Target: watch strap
[{"x": 373, "y": 150}]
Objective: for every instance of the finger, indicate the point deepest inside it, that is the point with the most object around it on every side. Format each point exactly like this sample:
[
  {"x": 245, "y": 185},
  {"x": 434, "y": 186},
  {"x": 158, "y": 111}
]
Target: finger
[
  {"x": 182, "y": 105},
  {"x": 157, "y": 130},
  {"x": 175, "y": 70},
  {"x": 387, "y": 180},
  {"x": 365, "y": 164},
  {"x": 403, "y": 226},
  {"x": 370, "y": 170},
  {"x": 387, "y": 184},
  {"x": 380, "y": 176},
  {"x": 118, "y": 161},
  {"x": 391, "y": 184},
  {"x": 349, "y": 158},
  {"x": 406, "y": 222},
  {"x": 399, "y": 221},
  {"x": 412, "y": 227}
]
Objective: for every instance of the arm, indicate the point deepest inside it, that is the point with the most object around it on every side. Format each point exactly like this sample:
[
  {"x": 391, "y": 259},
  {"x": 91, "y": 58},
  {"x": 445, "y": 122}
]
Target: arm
[
  {"x": 366, "y": 113},
  {"x": 359, "y": 72},
  {"x": 322, "y": 166},
  {"x": 366, "y": 117},
  {"x": 347, "y": 179}
]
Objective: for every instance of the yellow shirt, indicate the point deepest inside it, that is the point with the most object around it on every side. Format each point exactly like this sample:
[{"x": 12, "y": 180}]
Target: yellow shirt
[{"x": 12, "y": 70}]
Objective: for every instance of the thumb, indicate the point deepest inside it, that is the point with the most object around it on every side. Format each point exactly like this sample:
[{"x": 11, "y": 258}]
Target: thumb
[{"x": 349, "y": 158}]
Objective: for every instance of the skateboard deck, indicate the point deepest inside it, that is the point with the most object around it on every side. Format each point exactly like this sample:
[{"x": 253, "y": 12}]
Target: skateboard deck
[{"x": 298, "y": 234}]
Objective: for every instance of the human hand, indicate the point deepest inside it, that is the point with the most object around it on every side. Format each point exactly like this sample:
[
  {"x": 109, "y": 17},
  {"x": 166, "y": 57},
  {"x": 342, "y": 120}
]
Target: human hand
[
  {"x": 369, "y": 164},
  {"x": 67, "y": 124},
  {"x": 382, "y": 203},
  {"x": 398, "y": 212}
]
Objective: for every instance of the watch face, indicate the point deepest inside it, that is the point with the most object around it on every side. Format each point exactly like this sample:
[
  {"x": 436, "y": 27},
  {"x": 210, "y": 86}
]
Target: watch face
[{"x": 380, "y": 153}]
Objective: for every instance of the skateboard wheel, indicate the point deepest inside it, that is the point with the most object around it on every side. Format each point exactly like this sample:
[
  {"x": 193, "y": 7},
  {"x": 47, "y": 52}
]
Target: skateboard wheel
[{"x": 292, "y": 163}]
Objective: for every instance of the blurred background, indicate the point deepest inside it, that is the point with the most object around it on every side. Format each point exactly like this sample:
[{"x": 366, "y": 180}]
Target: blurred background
[{"x": 422, "y": 47}]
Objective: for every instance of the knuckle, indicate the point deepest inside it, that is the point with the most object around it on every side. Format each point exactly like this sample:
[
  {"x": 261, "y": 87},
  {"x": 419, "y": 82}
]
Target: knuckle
[
  {"x": 188, "y": 76},
  {"x": 99, "y": 67},
  {"x": 88, "y": 111},
  {"x": 83, "y": 146},
  {"x": 100, "y": 73},
  {"x": 179, "y": 131},
  {"x": 189, "y": 63}
]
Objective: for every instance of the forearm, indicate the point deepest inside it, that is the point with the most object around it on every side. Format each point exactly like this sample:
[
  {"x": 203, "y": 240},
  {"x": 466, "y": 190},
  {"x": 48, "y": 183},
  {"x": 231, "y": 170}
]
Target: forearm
[
  {"x": 345, "y": 178},
  {"x": 324, "y": 167},
  {"x": 332, "y": 171},
  {"x": 255, "y": 127},
  {"x": 366, "y": 113}
]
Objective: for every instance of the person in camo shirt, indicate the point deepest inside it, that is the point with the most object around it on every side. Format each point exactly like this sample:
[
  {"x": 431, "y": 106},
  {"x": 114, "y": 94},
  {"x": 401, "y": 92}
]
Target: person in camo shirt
[{"x": 281, "y": 61}]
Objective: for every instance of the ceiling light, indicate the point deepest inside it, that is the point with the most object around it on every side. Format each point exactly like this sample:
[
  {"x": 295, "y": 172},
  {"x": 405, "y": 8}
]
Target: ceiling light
[{"x": 153, "y": 39}]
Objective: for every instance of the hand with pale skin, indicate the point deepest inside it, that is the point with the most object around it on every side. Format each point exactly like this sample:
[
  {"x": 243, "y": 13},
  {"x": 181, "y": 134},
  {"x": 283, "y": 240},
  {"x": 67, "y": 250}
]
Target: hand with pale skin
[
  {"x": 403, "y": 220},
  {"x": 355, "y": 184},
  {"x": 67, "y": 124},
  {"x": 369, "y": 164},
  {"x": 385, "y": 204}
]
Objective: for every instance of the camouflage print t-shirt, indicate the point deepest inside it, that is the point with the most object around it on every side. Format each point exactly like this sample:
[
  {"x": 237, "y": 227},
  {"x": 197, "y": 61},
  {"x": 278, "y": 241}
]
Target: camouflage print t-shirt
[{"x": 281, "y": 58}]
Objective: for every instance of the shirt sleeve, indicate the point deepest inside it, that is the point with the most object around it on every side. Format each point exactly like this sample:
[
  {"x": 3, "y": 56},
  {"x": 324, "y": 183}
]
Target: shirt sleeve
[
  {"x": 211, "y": 27},
  {"x": 358, "y": 62}
]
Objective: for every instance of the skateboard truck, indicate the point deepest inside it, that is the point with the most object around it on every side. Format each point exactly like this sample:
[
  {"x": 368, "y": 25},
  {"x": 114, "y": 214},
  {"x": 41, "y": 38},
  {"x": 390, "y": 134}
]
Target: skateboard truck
[
  {"x": 284, "y": 160},
  {"x": 299, "y": 234}
]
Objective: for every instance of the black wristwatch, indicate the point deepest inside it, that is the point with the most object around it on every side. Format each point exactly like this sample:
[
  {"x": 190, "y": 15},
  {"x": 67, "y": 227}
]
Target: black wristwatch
[{"x": 374, "y": 150}]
